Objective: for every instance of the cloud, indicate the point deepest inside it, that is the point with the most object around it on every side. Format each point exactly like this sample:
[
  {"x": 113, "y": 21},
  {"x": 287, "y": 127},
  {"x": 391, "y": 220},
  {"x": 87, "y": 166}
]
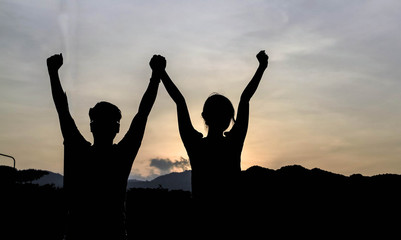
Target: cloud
[
  {"x": 167, "y": 165},
  {"x": 332, "y": 87}
]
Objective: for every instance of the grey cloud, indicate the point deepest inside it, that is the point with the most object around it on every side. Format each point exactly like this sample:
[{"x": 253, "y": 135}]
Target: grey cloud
[{"x": 167, "y": 165}]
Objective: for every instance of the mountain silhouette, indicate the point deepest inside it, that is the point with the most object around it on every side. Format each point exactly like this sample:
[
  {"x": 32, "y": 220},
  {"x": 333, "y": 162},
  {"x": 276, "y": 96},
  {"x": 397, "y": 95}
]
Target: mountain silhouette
[
  {"x": 50, "y": 178},
  {"x": 9, "y": 174},
  {"x": 295, "y": 180},
  {"x": 299, "y": 176},
  {"x": 171, "y": 181},
  {"x": 255, "y": 177}
]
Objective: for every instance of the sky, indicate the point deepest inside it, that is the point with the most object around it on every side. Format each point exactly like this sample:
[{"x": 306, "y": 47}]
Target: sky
[{"x": 330, "y": 98}]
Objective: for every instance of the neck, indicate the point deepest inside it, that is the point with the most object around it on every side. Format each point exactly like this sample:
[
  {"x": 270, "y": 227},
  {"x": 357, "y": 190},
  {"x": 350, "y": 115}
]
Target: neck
[
  {"x": 214, "y": 133},
  {"x": 102, "y": 142}
]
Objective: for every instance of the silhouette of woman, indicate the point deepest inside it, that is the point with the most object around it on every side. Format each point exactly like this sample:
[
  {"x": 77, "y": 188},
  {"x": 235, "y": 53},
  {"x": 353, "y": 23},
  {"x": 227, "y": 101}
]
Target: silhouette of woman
[{"x": 216, "y": 159}]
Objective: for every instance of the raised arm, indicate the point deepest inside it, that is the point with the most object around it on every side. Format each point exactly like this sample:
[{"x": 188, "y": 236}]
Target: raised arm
[
  {"x": 241, "y": 124},
  {"x": 187, "y": 131},
  {"x": 149, "y": 96},
  {"x": 67, "y": 124},
  {"x": 59, "y": 97},
  {"x": 254, "y": 83},
  {"x": 133, "y": 138}
]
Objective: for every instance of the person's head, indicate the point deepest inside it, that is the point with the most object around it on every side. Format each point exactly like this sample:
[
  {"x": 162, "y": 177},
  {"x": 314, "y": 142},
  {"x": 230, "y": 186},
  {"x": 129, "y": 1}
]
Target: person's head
[
  {"x": 104, "y": 121},
  {"x": 218, "y": 112}
]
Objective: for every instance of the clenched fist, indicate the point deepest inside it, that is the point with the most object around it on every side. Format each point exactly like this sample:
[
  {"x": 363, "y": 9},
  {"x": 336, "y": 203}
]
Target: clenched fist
[
  {"x": 262, "y": 58},
  {"x": 55, "y": 62}
]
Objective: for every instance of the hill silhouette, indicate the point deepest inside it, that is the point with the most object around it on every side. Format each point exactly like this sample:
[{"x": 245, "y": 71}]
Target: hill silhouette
[
  {"x": 9, "y": 174},
  {"x": 285, "y": 199},
  {"x": 171, "y": 181},
  {"x": 309, "y": 184}
]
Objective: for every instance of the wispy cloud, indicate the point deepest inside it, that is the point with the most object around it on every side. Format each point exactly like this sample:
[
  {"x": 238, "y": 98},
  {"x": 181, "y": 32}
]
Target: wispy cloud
[
  {"x": 332, "y": 87},
  {"x": 167, "y": 165}
]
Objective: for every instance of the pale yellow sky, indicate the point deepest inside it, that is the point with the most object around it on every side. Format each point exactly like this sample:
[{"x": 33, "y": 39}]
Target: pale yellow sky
[{"x": 329, "y": 99}]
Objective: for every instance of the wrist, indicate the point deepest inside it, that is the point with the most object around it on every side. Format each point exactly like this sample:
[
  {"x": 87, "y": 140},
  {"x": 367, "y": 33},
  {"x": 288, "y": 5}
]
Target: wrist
[
  {"x": 160, "y": 73},
  {"x": 154, "y": 79},
  {"x": 52, "y": 71},
  {"x": 263, "y": 65}
]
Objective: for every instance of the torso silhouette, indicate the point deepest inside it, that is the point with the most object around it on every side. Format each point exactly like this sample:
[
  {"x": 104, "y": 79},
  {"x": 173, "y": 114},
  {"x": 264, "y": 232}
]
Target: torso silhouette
[
  {"x": 216, "y": 165},
  {"x": 96, "y": 185}
]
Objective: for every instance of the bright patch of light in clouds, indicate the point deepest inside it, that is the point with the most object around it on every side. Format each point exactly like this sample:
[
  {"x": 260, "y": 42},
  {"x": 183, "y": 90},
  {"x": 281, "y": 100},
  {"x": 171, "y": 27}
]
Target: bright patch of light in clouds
[{"x": 329, "y": 99}]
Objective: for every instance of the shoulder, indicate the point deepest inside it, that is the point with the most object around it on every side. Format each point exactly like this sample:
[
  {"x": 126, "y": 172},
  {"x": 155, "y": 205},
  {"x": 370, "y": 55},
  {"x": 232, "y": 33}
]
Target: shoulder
[
  {"x": 194, "y": 138},
  {"x": 234, "y": 138},
  {"x": 194, "y": 145}
]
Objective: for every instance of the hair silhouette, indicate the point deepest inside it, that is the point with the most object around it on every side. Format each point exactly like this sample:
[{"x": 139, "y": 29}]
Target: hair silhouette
[
  {"x": 218, "y": 111},
  {"x": 98, "y": 212},
  {"x": 105, "y": 121},
  {"x": 105, "y": 110},
  {"x": 216, "y": 159}
]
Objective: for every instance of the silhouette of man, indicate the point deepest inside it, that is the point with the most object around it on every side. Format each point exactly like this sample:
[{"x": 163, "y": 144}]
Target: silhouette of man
[
  {"x": 216, "y": 159},
  {"x": 95, "y": 176}
]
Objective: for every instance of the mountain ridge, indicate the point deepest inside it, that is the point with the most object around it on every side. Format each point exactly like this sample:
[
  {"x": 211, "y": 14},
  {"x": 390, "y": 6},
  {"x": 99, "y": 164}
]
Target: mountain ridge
[{"x": 252, "y": 177}]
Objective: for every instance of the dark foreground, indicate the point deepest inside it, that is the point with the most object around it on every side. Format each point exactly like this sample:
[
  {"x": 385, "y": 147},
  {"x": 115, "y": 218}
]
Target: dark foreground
[{"x": 292, "y": 201}]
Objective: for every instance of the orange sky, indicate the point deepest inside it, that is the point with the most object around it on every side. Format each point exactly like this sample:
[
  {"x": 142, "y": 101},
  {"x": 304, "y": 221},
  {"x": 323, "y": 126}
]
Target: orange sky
[{"x": 329, "y": 99}]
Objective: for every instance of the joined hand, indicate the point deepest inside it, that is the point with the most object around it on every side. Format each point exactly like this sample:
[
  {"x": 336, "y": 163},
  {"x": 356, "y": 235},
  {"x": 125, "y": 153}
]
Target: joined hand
[{"x": 158, "y": 63}]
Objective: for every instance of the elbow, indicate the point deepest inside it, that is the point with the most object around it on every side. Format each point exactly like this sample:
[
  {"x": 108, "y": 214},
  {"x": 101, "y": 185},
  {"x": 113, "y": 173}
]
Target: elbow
[
  {"x": 245, "y": 98},
  {"x": 180, "y": 100},
  {"x": 181, "y": 105},
  {"x": 143, "y": 112}
]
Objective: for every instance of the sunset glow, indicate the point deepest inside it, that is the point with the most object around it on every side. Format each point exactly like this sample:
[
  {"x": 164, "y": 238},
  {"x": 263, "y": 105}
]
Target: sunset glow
[{"x": 330, "y": 97}]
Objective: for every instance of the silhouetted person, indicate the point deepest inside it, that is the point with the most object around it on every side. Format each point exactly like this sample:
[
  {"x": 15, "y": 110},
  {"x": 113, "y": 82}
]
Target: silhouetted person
[
  {"x": 95, "y": 176},
  {"x": 216, "y": 159}
]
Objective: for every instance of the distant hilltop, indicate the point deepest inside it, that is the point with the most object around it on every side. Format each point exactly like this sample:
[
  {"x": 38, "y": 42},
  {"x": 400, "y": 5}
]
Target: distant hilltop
[
  {"x": 33, "y": 176},
  {"x": 171, "y": 181},
  {"x": 308, "y": 186},
  {"x": 255, "y": 179}
]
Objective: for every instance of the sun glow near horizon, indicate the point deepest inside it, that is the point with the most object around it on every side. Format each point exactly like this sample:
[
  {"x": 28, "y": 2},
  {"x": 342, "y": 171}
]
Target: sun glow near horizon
[{"x": 329, "y": 98}]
